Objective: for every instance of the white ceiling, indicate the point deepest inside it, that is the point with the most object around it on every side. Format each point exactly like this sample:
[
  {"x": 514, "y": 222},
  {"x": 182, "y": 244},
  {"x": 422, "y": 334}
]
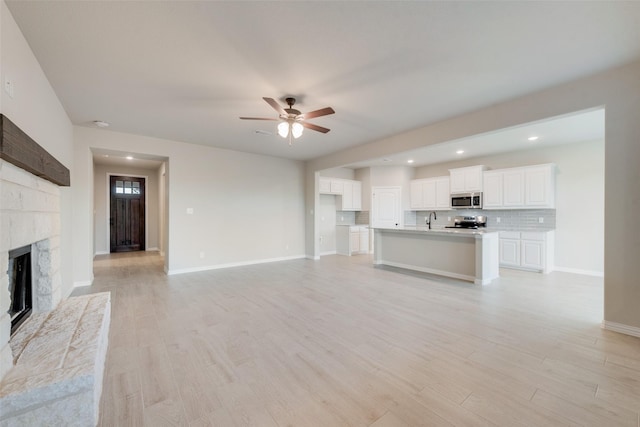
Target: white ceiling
[
  {"x": 579, "y": 127},
  {"x": 186, "y": 71}
]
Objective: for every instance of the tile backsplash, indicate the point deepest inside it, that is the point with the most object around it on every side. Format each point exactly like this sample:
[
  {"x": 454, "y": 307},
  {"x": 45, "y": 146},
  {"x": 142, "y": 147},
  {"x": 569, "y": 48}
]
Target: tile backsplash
[
  {"x": 362, "y": 217},
  {"x": 510, "y": 219},
  {"x": 352, "y": 218},
  {"x": 345, "y": 218}
]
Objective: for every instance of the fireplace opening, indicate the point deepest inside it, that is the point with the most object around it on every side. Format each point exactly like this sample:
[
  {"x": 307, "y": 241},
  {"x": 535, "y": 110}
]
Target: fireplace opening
[{"x": 20, "y": 286}]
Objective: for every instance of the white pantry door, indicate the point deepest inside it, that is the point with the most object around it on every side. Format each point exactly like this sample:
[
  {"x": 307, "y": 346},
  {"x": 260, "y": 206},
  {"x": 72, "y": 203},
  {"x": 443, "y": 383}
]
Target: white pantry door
[{"x": 386, "y": 206}]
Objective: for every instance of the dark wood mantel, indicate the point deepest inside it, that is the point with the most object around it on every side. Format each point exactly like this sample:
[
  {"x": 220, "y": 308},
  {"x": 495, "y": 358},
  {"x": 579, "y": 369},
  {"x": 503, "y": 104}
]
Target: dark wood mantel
[{"x": 18, "y": 148}]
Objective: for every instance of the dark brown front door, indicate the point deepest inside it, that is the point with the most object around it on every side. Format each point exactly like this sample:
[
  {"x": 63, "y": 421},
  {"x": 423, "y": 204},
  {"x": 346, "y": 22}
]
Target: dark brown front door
[{"x": 127, "y": 214}]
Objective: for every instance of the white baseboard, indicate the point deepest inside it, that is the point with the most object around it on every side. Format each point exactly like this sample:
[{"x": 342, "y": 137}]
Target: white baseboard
[
  {"x": 231, "y": 264},
  {"x": 328, "y": 253},
  {"x": 313, "y": 257},
  {"x": 100, "y": 253},
  {"x": 593, "y": 273},
  {"x": 152, "y": 249},
  {"x": 82, "y": 283},
  {"x": 429, "y": 270},
  {"x": 621, "y": 328}
]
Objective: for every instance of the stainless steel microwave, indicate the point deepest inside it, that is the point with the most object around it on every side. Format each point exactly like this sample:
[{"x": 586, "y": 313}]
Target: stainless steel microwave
[{"x": 466, "y": 201}]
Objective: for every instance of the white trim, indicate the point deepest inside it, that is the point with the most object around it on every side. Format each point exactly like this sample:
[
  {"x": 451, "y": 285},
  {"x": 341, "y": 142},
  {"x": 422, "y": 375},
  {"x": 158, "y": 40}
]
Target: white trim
[
  {"x": 100, "y": 253},
  {"x": 432, "y": 271},
  {"x": 328, "y": 253},
  {"x": 232, "y": 264},
  {"x": 313, "y": 257},
  {"x": 152, "y": 250},
  {"x": 594, "y": 273},
  {"x": 146, "y": 205},
  {"x": 621, "y": 328},
  {"x": 82, "y": 283}
]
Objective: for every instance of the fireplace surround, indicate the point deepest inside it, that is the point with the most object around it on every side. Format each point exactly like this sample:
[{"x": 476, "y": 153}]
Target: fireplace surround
[
  {"x": 30, "y": 180},
  {"x": 20, "y": 302}
]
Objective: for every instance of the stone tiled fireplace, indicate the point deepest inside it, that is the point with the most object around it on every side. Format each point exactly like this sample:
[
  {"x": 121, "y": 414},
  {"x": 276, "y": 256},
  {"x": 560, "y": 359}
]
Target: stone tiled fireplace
[
  {"x": 29, "y": 215},
  {"x": 51, "y": 367}
]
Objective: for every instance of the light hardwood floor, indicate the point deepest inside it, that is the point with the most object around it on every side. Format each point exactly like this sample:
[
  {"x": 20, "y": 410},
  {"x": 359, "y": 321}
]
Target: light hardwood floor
[{"x": 337, "y": 342}]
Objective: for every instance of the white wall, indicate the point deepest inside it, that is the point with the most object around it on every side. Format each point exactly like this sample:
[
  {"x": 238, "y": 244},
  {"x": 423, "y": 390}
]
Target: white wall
[
  {"x": 344, "y": 173},
  {"x": 619, "y": 90},
  {"x": 101, "y": 205},
  {"x": 247, "y": 208},
  {"x": 394, "y": 176},
  {"x": 579, "y": 197},
  {"x": 327, "y": 212},
  {"x": 35, "y": 108}
]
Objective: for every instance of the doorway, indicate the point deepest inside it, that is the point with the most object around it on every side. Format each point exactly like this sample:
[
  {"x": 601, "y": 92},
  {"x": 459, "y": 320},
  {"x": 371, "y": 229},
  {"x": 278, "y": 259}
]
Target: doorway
[
  {"x": 127, "y": 213},
  {"x": 386, "y": 204}
]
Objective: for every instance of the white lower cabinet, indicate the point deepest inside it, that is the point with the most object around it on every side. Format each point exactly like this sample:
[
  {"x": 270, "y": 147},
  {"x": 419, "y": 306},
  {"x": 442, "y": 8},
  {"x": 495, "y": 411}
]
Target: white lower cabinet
[
  {"x": 352, "y": 239},
  {"x": 531, "y": 250}
]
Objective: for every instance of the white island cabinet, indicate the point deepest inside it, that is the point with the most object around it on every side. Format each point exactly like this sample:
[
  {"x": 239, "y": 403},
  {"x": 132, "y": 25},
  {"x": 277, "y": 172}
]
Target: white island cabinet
[{"x": 470, "y": 255}]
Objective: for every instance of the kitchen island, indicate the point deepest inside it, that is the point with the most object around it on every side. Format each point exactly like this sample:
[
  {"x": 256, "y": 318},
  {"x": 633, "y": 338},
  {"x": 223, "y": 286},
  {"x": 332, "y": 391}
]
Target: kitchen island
[{"x": 465, "y": 254}]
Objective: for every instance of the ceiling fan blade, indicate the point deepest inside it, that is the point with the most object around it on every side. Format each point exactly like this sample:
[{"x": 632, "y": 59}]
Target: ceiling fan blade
[
  {"x": 317, "y": 113},
  {"x": 274, "y": 104},
  {"x": 257, "y": 118},
  {"x": 315, "y": 127}
]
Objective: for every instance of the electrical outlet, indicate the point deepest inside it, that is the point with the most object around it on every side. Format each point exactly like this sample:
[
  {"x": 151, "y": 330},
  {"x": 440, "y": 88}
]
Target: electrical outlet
[
  {"x": 190, "y": 211},
  {"x": 201, "y": 255},
  {"x": 540, "y": 220},
  {"x": 449, "y": 218},
  {"x": 498, "y": 220},
  {"x": 9, "y": 88}
]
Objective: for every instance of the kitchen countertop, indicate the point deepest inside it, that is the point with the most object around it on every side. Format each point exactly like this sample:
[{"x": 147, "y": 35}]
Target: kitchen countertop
[{"x": 442, "y": 231}]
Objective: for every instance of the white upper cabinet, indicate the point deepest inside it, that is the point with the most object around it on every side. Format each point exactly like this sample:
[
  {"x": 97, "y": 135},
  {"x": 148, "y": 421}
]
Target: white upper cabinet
[
  {"x": 513, "y": 187},
  {"x": 325, "y": 185},
  {"x": 540, "y": 186},
  {"x": 528, "y": 187},
  {"x": 443, "y": 195},
  {"x": 349, "y": 190},
  {"x": 351, "y": 199},
  {"x": 430, "y": 194},
  {"x": 466, "y": 180},
  {"x": 331, "y": 185},
  {"x": 493, "y": 186}
]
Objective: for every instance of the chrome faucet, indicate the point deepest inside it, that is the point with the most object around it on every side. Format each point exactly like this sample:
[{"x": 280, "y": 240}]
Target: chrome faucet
[{"x": 428, "y": 220}]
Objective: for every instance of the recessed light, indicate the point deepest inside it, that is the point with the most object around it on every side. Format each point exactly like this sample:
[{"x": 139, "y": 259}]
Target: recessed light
[
  {"x": 101, "y": 124},
  {"x": 460, "y": 152},
  {"x": 410, "y": 161},
  {"x": 129, "y": 157},
  {"x": 533, "y": 138}
]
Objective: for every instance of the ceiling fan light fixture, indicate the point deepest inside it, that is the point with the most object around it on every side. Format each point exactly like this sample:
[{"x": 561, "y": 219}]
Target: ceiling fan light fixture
[
  {"x": 283, "y": 129},
  {"x": 296, "y": 129}
]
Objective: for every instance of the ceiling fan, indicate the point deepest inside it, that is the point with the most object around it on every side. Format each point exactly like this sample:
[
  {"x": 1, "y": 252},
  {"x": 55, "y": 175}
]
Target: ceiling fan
[{"x": 292, "y": 121}]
